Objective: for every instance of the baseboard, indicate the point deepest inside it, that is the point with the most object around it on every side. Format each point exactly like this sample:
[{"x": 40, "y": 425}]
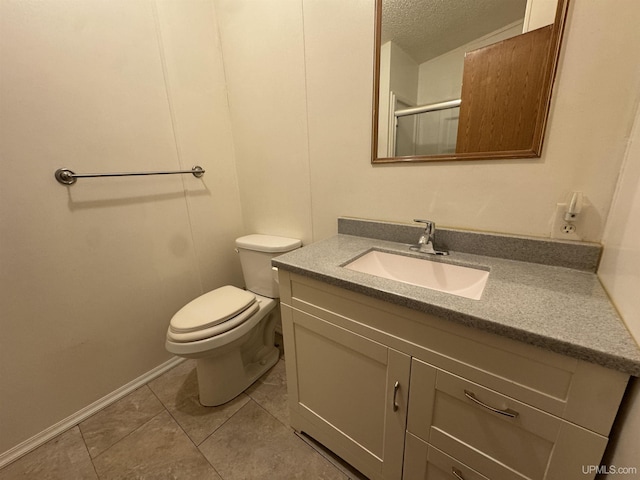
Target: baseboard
[{"x": 81, "y": 415}]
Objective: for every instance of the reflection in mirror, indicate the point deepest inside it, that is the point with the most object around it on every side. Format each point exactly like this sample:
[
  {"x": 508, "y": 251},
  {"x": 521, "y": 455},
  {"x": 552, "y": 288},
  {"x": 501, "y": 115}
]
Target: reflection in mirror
[{"x": 422, "y": 112}]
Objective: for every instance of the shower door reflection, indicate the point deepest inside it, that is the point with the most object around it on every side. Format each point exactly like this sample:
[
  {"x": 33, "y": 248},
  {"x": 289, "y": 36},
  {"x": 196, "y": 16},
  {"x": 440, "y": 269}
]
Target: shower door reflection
[{"x": 431, "y": 132}]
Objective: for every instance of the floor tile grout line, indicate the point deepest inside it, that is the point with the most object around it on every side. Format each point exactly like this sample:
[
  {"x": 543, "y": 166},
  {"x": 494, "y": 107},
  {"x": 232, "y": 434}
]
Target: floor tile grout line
[
  {"x": 175, "y": 419},
  {"x": 169, "y": 412},
  {"x": 102, "y": 410},
  {"x": 87, "y": 449},
  {"x": 227, "y": 419},
  {"x": 266, "y": 410},
  {"x": 196, "y": 446},
  {"x": 218, "y": 428},
  {"x": 165, "y": 408},
  {"x": 129, "y": 434},
  {"x": 207, "y": 460},
  {"x": 245, "y": 393}
]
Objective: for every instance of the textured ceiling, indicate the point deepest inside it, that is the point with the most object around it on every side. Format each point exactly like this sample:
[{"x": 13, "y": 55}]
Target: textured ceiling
[{"x": 428, "y": 28}]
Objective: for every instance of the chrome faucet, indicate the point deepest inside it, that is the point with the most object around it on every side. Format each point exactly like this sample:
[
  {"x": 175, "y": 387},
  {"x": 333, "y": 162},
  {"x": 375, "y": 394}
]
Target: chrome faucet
[{"x": 427, "y": 239}]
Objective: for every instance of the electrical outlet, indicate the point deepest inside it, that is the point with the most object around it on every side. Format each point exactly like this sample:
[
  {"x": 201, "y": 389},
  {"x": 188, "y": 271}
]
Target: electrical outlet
[{"x": 561, "y": 229}]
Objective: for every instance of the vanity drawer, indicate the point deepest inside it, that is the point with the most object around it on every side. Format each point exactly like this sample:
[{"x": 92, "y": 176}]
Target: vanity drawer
[
  {"x": 425, "y": 462},
  {"x": 580, "y": 392},
  {"x": 496, "y": 435}
]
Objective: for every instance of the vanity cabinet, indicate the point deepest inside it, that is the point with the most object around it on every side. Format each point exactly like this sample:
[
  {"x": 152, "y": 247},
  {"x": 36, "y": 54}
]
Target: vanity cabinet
[
  {"x": 345, "y": 394},
  {"x": 400, "y": 394}
]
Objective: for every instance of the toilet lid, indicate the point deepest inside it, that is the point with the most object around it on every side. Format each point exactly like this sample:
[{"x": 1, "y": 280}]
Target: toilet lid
[
  {"x": 182, "y": 337},
  {"x": 211, "y": 309}
]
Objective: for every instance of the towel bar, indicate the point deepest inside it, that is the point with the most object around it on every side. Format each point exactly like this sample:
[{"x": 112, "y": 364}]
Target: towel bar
[{"x": 68, "y": 177}]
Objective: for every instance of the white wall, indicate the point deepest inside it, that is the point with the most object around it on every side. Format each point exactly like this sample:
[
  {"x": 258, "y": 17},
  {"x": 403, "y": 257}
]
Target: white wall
[
  {"x": 591, "y": 114},
  {"x": 91, "y": 274},
  {"x": 539, "y": 13},
  {"x": 590, "y": 119},
  {"x": 264, "y": 63},
  {"x": 404, "y": 76},
  {"x": 620, "y": 265},
  {"x": 620, "y": 274}
]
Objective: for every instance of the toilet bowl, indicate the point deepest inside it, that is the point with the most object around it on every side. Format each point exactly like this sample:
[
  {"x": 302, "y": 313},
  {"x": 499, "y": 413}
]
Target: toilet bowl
[{"x": 230, "y": 331}]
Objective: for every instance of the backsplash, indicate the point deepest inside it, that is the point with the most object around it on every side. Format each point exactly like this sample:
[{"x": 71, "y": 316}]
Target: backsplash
[{"x": 577, "y": 255}]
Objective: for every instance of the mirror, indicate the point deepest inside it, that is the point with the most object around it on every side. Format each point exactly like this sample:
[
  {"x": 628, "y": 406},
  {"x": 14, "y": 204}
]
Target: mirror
[{"x": 459, "y": 80}]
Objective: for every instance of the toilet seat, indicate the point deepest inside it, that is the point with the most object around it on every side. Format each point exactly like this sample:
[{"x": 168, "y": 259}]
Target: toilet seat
[
  {"x": 211, "y": 345},
  {"x": 211, "y": 314}
]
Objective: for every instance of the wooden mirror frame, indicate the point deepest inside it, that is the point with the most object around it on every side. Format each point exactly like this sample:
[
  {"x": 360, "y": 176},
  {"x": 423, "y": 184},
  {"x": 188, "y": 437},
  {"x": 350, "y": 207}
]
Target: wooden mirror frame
[{"x": 543, "y": 106}]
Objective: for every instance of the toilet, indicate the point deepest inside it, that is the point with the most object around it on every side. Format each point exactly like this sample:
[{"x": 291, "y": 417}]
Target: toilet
[{"x": 230, "y": 331}]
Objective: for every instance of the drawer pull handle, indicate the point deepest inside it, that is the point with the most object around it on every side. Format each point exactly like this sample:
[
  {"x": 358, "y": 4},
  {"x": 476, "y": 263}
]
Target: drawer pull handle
[
  {"x": 507, "y": 413},
  {"x": 456, "y": 473},
  {"x": 396, "y": 387}
]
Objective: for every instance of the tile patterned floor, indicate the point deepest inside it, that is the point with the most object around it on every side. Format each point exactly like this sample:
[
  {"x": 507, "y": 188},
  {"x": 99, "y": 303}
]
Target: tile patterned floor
[{"x": 161, "y": 431}]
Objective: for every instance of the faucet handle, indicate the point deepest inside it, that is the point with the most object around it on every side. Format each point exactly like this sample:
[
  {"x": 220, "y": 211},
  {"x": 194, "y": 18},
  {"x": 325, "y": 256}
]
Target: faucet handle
[
  {"x": 425, "y": 244},
  {"x": 428, "y": 224}
]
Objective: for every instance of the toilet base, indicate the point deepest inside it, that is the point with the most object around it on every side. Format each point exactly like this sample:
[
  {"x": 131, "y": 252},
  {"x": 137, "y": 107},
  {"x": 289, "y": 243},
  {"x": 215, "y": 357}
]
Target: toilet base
[
  {"x": 229, "y": 370},
  {"x": 227, "y": 377},
  {"x": 228, "y": 363}
]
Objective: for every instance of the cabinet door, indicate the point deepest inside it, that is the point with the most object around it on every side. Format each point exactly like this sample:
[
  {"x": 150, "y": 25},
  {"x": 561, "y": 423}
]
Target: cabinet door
[{"x": 348, "y": 392}]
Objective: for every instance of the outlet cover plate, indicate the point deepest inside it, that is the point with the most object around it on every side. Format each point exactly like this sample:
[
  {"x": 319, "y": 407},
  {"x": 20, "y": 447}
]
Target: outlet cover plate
[{"x": 557, "y": 230}]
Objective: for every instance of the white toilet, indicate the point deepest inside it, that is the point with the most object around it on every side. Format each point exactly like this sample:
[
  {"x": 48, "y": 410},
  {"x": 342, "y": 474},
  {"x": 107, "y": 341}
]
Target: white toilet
[{"x": 231, "y": 331}]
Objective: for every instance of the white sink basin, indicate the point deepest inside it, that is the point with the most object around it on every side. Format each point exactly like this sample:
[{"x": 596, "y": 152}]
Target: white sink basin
[{"x": 462, "y": 281}]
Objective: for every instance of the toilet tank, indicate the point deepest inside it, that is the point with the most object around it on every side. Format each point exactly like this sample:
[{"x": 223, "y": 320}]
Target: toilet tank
[{"x": 256, "y": 252}]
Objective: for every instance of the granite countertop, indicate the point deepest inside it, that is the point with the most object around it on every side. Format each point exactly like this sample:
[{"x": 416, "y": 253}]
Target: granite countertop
[{"x": 556, "y": 308}]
